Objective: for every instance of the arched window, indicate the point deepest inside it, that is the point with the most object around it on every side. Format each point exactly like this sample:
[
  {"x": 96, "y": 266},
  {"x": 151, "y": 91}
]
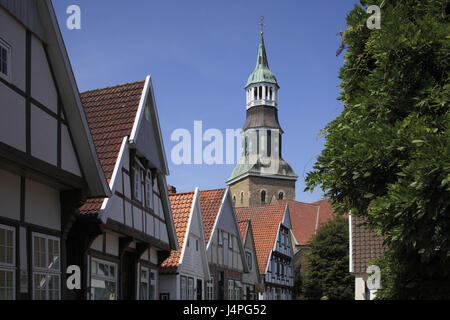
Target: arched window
[
  {"x": 234, "y": 198},
  {"x": 255, "y": 93},
  {"x": 271, "y": 94},
  {"x": 242, "y": 197},
  {"x": 263, "y": 196},
  {"x": 281, "y": 195},
  {"x": 260, "y": 93}
]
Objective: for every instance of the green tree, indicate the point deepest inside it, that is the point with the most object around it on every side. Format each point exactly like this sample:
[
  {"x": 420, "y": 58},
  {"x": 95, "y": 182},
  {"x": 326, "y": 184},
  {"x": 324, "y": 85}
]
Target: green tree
[
  {"x": 298, "y": 281},
  {"x": 326, "y": 272},
  {"x": 387, "y": 156}
]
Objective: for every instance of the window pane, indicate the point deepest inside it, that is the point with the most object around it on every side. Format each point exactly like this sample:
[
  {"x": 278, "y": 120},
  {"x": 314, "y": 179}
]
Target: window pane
[
  {"x": 53, "y": 288},
  {"x": 39, "y": 286}
]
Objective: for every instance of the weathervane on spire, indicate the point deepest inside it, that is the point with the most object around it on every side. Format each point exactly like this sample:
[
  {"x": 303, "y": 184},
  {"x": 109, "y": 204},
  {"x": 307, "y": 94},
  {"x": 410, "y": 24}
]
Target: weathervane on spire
[{"x": 262, "y": 25}]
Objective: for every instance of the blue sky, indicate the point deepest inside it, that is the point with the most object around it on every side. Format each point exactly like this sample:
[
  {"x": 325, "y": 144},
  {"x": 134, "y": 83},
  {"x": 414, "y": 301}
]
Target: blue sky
[{"x": 200, "y": 54}]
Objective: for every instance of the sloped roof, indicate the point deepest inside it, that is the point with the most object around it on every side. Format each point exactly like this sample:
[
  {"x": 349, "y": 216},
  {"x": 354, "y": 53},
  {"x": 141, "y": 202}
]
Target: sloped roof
[
  {"x": 210, "y": 202},
  {"x": 262, "y": 72},
  {"x": 181, "y": 204},
  {"x": 264, "y": 220},
  {"x": 306, "y": 218},
  {"x": 111, "y": 113},
  {"x": 366, "y": 245},
  {"x": 242, "y": 228}
]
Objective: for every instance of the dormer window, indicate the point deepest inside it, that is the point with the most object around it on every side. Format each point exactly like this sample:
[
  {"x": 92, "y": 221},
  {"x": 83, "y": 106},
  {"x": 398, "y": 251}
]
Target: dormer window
[{"x": 5, "y": 60}]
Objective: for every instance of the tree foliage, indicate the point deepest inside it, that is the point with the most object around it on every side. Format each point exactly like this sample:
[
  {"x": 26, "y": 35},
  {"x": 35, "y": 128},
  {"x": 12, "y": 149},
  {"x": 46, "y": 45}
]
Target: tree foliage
[
  {"x": 387, "y": 156},
  {"x": 327, "y": 263}
]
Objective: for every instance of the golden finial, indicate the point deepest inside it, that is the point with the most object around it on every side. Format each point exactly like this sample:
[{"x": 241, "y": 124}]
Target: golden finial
[{"x": 262, "y": 25}]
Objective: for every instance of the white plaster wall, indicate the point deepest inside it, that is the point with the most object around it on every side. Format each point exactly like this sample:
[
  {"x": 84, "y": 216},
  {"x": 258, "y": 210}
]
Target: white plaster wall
[
  {"x": 9, "y": 195},
  {"x": 97, "y": 244},
  {"x": 128, "y": 216},
  {"x": 43, "y": 136},
  {"x": 126, "y": 184},
  {"x": 42, "y": 85},
  {"x": 153, "y": 256},
  {"x": 169, "y": 284},
  {"x": 137, "y": 218},
  {"x": 14, "y": 34},
  {"x": 115, "y": 209},
  {"x": 150, "y": 225},
  {"x": 112, "y": 244},
  {"x": 69, "y": 161},
  {"x": 42, "y": 205},
  {"x": 12, "y": 118}
]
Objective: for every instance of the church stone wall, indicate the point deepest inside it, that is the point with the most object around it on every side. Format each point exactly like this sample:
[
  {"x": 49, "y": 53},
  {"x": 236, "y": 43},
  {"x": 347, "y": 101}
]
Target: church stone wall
[{"x": 252, "y": 186}]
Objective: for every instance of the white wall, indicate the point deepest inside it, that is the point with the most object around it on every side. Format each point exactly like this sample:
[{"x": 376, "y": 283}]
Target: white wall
[
  {"x": 9, "y": 195},
  {"x": 12, "y": 117},
  {"x": 42, "y": 205},
  {"x": 170, "y": 284}
]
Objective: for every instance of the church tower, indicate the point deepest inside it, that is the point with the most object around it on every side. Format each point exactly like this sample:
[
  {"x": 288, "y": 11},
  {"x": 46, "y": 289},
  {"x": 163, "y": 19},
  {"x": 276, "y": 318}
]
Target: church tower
[{"x": 261, "y": 176}]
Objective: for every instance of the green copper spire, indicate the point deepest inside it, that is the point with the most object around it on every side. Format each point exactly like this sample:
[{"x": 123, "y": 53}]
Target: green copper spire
[{"x": 262, "y": 72}]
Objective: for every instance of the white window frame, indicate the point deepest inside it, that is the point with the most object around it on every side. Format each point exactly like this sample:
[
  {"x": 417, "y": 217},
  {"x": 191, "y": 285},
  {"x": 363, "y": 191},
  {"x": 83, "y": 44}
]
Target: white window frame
[
  {"x": 249, "y": 260},
  {"x": 220, "y": 240},
  {"x": 149, "y": 281},
  {"x": 210, "y": 289},
  {"x": 101, "y": 277},
  {"x": 47, "y": 272},
  {"x": 7, "y": 47},
  {"x": 190, "y": 288},
  {"x": 183, "y": 288},
  {"x": 10, "y": 267},
  {"x": 137, "y": 183},
  {"x": 230, "y": 289},
  {"x": 148, "y": 190}
]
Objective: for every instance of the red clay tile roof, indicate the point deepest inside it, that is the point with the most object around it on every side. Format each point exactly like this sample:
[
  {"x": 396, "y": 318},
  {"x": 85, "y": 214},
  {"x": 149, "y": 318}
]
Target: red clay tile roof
[
  {"x": 110, "y": 113},
  {"x": 265, "y": 220},
  {"x": 366, "y": 245},
  {"x": 181, "y": 204},
  {"x": 210, "y": 202},
  {"x": 306, "y": 218},
  {"x": 242, "y": 228}
]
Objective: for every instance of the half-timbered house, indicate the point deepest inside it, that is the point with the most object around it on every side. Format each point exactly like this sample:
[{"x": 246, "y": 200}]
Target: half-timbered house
[
  {"x": 251, "y": 280},
  {"x": 124, "y": 239},
  {"x": 185, "y": 272},
  {"x": 226, "y": 255},
  {"x": 48, "y": 162},
  {"x": 271, "y": 227}
]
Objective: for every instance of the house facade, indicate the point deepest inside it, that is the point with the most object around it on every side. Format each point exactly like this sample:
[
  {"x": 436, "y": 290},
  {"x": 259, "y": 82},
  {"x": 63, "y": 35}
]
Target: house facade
[
  {"x": 251, "y": 280},
  {"x": 48, "y": 162},
  {"x": 271, "y": 226},
  {"x": 225, "y": 250},
  {"x": 365, "y": 245},
  {"x": 185, "y": 272},
  {"x": 124, "y": 239}
]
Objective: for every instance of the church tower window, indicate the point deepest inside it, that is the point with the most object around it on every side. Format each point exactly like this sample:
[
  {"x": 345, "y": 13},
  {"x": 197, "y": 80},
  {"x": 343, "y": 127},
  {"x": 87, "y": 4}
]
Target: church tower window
[
  {"x": 281, "y": 195},
  {"x": 242, "y": 197},
  {"x": 263, "y": 196},
  {"x": 269, "y": 143}
]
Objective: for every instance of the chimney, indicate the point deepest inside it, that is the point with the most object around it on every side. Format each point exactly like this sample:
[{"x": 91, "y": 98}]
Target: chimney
[{"x": 171, "y": 189}]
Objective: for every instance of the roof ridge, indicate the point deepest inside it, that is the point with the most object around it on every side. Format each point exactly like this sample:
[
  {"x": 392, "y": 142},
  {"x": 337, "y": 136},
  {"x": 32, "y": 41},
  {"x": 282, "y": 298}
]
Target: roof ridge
[
  {"x": 114, "y": 86},
  {"x": 217, "y": 189},
  {"x": 181, "y": 193}
]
